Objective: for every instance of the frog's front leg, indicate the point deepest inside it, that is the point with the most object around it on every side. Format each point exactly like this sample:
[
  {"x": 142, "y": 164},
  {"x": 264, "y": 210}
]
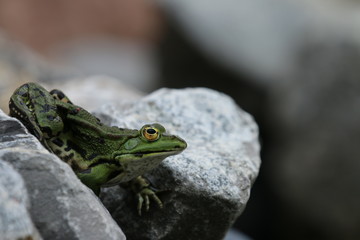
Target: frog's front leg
[
  {"x": 144, "y": 192},
  {"x": 95, "y": 177}
]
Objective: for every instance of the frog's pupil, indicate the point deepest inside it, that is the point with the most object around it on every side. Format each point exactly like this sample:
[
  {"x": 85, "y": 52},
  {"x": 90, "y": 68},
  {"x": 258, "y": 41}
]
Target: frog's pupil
[{"x": 151, "y": 131}]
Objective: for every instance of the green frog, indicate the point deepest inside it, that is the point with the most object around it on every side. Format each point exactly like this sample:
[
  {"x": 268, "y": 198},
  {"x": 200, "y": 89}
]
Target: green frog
[{"x": 100, "y": 155}]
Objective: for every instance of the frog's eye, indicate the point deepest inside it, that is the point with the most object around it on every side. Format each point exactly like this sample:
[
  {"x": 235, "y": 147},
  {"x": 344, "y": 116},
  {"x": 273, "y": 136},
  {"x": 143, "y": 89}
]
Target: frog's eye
[{"x": 151, "y": 133}]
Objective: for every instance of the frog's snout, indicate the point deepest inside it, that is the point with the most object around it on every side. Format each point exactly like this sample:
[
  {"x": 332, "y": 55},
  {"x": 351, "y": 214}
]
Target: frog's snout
[{"x": 182, "y": 144}]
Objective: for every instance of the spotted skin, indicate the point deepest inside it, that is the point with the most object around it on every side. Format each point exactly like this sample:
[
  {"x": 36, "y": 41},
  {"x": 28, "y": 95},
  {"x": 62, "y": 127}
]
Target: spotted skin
[{"x": 100, "y": 155}]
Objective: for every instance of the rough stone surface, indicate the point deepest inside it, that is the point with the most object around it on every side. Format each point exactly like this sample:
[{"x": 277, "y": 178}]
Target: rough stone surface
[
  {"x": 209, "y": 182},
  {"x": 15, "y": 220},
  {"x": 61, "y": 206}
]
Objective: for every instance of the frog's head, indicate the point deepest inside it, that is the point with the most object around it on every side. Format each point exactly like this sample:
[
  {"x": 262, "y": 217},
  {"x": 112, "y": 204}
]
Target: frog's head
[{"x": 146, "y": 151}]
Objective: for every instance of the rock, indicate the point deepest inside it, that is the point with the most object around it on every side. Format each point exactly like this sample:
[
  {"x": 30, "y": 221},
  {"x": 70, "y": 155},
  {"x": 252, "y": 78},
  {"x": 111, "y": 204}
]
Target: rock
[
  {"x": 260, "y": 37},
  {"x": 209, "y": 182},
  {"x": 15, "y": 219},
  {"x": 235, "y": 235},
  {"x": 315, "y": 156},
  {"x": 61, "y": 206},
  {"x": 19, "y": 65},
  {"x": 107, "y": 89}
]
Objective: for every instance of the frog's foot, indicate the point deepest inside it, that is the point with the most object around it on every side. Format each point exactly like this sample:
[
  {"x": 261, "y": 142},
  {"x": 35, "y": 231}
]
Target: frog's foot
[
  {"x": 144, "y": 193},
  {"x": 144, "y": 196}
]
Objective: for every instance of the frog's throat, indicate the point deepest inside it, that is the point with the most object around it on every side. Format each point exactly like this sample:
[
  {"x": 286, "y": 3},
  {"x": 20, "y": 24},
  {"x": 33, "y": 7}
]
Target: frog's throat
[{"x": 137, "y": 164}]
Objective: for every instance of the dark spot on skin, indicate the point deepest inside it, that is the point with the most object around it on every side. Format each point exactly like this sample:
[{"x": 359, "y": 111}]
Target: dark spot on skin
[
  {"x": 58, "y": 142},
  {"x": 92, "y": 156},
  {"x": 57, "y": 152},
  {"x": 25, "y": 94},
  {"x": 86, "y": 171},
  {"x": 98, "y": 122},
  {"x": 106, "y": 161},
  {"x": 68, "y": 157},
  {"x": 47, "y": 130},
  {"x": 68, "y": 148},
  {"x": 75, "y": 111},
  {"x": 78, "y": 149},
  {"x": 114, "y": 174},
  {"x": 101, "y": 140},
  {"x": 59, "y": 94},
  {"x": 46, "y": 108},
  {"x": 50, "y": 117}
]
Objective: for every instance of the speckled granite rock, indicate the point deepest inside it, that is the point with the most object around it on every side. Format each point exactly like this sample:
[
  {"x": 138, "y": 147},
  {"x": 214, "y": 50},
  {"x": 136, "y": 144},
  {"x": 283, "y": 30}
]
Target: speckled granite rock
[
  {"x": 210, "y": 181},
  {"x": 61, "y": 206},
  {"x": 15, "y": 220}
]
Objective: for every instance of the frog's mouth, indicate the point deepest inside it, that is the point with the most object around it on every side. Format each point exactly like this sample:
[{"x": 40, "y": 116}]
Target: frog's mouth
[{"x": 159, "y": 153}]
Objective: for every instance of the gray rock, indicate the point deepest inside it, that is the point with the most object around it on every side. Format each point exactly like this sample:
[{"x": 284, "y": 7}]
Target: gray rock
[
  {"x": 209, "y": 182},
  {"x": 315, "y": 158},
  {"x": 236, "y": 235},
  {"x": 107, "y": 90},
  {"x": 262, "y": 37},
  {"x": 19, "y": 64},
  {"x": 61, "y": 206},
  {"x": 15, "y": 220}
]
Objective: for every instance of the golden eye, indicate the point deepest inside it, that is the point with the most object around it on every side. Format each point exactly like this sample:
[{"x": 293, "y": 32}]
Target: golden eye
[{"x": 151, "y": 133}]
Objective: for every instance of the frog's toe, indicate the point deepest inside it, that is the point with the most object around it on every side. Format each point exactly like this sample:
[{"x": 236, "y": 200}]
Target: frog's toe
[
  {"x": 144, "y": 198},
  {"x": 156, "y": 199},
  {"x": 140, "y": 203}
]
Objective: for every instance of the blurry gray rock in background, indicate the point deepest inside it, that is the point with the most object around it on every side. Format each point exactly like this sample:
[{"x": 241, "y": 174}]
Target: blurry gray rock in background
[
  {"x": 60, "y": 205},
  {"x": 209, "y": 182},
  {"x": 307, "y": 54},
  {"x": 316, "y": 155},
  {"x": 18, "y": 65},
  {"x": 236, "y": 235},
  {"x": 132, "y": 62},
  {"x": 15, "y": 220},
  {"x": 95, "y": 91},
  {"x": 261, "y": 37}
]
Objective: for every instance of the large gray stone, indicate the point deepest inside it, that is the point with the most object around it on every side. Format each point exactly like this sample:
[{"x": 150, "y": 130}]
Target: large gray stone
[
  {"x": 15, "y": 220},
  {"x": 209, "y": 182},
  {"x": 61, "y": 206},
  {"x": 315, "y": 156},
  {"x": 262, "y": 37},
  {"x": 107, "y": 89}
]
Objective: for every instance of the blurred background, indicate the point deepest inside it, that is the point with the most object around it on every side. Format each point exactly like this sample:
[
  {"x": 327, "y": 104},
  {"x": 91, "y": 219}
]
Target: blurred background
[{"x": 293, "y": 64}]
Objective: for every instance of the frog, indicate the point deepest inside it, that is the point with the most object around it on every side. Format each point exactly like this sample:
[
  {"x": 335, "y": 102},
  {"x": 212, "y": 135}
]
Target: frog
[{"x": 100, "y": 155}]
